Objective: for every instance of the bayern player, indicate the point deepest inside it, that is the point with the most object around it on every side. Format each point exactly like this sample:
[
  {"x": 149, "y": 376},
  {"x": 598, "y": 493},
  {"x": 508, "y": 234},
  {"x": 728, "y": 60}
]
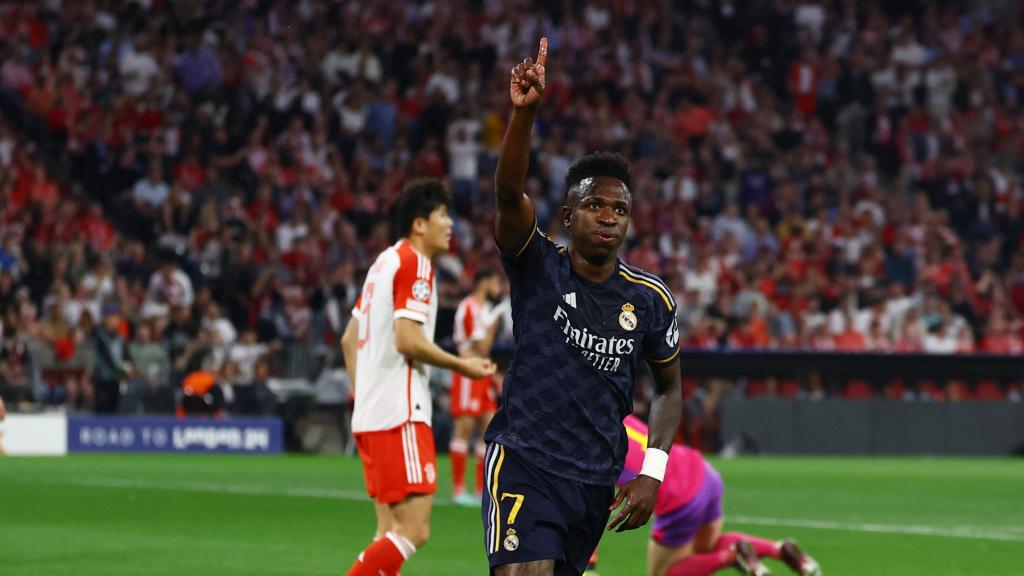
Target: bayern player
[
  {"x": 584, "y": 324},
  {"x": 687, "y": 538},
  {"x": 473, "y": 402},
  {"x": 388, "y": 346}
]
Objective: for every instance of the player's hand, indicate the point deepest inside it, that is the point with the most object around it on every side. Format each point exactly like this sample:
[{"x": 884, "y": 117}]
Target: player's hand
[
  {"x": 475, "y": 368},
  {"x": 639, "y": 494},
  {"x": 527, "y": 83}
]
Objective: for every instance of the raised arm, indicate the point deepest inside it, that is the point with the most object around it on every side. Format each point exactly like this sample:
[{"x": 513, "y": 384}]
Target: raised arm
[{"x": 515, "y": 216}]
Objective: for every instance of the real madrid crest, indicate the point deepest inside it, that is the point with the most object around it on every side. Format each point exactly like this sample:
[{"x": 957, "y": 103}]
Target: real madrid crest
[
  {"x": 511, "y": 540},
  {"x": 627, "y": 319}
]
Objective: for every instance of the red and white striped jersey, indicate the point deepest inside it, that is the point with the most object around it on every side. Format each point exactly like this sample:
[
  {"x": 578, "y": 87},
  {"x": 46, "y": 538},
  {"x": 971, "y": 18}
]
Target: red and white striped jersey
[
  {"x": 391, "y": 390},
  {"x": 469, "y": 323}
]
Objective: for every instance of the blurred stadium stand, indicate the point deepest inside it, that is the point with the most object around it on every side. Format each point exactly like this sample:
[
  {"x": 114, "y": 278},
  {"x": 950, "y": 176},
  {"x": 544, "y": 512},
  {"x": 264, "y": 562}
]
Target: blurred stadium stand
[{"x": 824, "y": 178}]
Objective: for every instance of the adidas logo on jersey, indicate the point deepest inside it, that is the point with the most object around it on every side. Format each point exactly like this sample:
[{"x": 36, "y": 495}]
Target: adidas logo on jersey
[{"x": 570, "y": 299}]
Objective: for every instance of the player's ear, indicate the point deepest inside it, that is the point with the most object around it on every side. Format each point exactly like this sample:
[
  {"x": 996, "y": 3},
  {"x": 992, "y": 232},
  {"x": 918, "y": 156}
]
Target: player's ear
[
  {"x": 566, "y": 215},
  {"x": 419, "y": 226}
]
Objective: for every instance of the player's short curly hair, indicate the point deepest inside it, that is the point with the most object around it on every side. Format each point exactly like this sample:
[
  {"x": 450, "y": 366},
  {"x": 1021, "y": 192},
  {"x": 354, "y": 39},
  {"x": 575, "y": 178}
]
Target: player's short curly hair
[
  {"x": 599, "y": 164},
  {"x": 419, "y": 197}
]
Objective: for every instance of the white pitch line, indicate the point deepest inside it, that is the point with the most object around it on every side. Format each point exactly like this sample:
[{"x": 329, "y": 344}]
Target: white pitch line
[
  {"x": 1008, "y": 534},
  {"x": 973, "y": 533},
  {"x": 215, "y": 488}
]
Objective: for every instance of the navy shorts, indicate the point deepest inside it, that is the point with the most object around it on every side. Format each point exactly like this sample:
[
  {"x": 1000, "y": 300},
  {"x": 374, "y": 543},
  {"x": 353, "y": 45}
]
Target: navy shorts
[{"x": 530, "y": 514}]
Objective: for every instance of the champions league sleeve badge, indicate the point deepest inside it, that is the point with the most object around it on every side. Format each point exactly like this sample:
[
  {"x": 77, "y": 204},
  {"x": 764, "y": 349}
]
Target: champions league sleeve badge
[
  {"x": 627, "y": 319},
  {"x": 421, "y": 290}
]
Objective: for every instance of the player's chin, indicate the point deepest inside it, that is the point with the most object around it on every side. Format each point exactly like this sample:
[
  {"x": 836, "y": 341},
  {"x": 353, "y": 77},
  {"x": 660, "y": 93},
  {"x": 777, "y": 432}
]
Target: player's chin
[{"x": 603, "y": 249}]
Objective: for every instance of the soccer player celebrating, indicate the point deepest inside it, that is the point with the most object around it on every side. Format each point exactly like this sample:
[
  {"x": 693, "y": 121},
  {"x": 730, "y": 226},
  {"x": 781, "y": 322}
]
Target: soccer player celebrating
[
  {"x": 583, "y": 321},
  {"x": 388, "y": 346},
  {"x": 473, "y": 402},
  {"x": 687, "y": 538}
]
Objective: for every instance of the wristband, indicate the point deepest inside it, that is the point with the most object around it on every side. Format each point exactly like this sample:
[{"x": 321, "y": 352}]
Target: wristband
[{"x": 655, "y": 461}]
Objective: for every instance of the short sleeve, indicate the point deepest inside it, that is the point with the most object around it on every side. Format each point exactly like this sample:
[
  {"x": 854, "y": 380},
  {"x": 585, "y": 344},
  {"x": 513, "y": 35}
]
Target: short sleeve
[
  {"x": 357, "y": 310},
  {"x": 477, "y": 330},
  {"x": 661, "y": 344},
  {"x": 472, "y": 325},
  {"x": 413, "y": 287}
]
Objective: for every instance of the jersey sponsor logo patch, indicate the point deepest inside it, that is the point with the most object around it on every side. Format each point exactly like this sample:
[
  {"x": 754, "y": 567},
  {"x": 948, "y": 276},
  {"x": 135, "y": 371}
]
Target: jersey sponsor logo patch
[
  {"x": 627, "y": 319},
  {"x": 511, "y": 542},
  {"x": 421, "y": 290},
  {"x": 672, "y": 335},
  {"x": 605, "y": 354}
]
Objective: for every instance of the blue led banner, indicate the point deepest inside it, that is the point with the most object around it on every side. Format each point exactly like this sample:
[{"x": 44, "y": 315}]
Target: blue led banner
[{"x": 167, "y": 434}]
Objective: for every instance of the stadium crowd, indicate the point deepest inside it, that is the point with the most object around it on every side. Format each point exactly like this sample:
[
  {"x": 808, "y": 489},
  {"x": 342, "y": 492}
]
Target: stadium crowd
[{"x": 211, "y": 179}]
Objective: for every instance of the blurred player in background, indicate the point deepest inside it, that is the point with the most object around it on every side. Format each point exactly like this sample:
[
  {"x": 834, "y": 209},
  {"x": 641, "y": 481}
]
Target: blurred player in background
[
  {"x": 583, "y": 322},
  {"x": 687, "y": 539},
  {"x": 388, "y": 346},
  {"x": 473, "y": 402}
]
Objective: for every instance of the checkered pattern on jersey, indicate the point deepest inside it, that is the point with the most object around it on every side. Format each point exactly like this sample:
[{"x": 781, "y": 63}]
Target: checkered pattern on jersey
[{"x": 578, "y": 347}]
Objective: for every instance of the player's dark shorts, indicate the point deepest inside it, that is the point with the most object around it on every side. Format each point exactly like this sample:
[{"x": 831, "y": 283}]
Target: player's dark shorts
[{"x": 530, "y": 514}]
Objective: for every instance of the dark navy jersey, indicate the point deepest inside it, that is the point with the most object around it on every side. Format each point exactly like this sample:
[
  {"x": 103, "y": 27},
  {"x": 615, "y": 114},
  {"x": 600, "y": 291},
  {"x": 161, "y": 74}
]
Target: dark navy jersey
[{"x": 578, "y": 346}]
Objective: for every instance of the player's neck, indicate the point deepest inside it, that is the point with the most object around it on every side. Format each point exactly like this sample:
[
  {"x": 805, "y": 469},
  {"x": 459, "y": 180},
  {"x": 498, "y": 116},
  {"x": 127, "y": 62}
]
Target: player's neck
[
  {"x": 419, "y": 244},
  {"x": 594, "y": 271}
]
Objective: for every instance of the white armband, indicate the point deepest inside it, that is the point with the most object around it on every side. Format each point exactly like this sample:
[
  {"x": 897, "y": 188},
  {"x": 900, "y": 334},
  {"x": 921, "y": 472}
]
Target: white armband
[{"x": 655, "y": 462}]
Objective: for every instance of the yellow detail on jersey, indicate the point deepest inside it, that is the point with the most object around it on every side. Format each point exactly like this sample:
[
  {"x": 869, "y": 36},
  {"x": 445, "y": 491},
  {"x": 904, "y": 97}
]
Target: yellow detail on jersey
[
  {"x": 533, "y": 232},
  {"x": 515, "y": 507},
  {"x": 666, "y": 360},
  {"x": 664, "y": 297},
  {"x": 637, "y": 436}
]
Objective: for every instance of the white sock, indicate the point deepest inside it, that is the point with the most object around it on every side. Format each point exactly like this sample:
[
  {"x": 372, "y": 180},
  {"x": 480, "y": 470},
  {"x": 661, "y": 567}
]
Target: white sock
[{"x": 402, "y": 543}]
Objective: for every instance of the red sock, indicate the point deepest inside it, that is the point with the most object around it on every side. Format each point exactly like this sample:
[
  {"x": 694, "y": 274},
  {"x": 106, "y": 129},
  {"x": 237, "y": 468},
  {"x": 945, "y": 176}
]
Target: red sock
[
  {"x": 457, "y": 453},
  {"x": 763, "y": 548},
  {"x": 593, "y": 558},
  {"x": 702, "y": 564},
  {"x": 384, "y": 557},
  {"x": 481, "y": 453}
]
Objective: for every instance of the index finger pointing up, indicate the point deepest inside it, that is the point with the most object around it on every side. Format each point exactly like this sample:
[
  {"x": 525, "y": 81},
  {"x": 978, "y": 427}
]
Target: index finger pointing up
[{"x": 542, "y": 53}]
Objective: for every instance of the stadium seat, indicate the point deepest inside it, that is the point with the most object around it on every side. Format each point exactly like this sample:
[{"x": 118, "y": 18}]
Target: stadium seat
[
  {"x": 756, "y": 388},
  {"x": 895, "y": 389},
  {"x": 958, "y": 390},
  {"x": 790, "y": 388},
  {"x": 858, "y": 390},
  {"x": 989, "y": 390},
  {"x": 929, "y": 390}
]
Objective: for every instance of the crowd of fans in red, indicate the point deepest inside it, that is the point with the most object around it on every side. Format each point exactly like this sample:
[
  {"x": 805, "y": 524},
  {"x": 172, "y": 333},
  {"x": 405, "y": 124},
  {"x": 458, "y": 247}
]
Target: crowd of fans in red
[{"x": 822, "y": 175}]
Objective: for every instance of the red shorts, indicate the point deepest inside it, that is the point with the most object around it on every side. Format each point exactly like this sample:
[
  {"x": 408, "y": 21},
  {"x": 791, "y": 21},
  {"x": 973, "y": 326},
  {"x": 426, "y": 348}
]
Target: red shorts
[
  {"x": 398, "y": 462},
  {"x": 472, "y": 397}
]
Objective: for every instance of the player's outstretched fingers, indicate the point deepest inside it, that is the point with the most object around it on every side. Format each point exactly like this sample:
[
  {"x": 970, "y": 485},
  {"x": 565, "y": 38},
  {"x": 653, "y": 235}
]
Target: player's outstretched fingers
[
  {"x": 617, "y": 522},
  {"x": 542, "y": 52}
]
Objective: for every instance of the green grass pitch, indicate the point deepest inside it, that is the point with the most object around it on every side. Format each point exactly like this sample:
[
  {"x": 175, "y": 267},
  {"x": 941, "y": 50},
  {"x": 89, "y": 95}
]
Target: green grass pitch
[{"x": 135, "y": 515}]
